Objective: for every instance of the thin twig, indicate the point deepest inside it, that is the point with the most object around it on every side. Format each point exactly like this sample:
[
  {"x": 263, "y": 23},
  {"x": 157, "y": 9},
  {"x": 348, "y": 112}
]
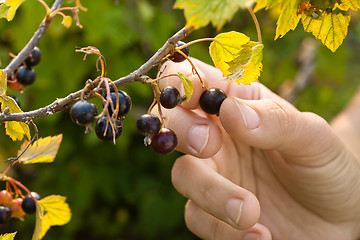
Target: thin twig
[
  {"x": 15, "y": 63},
  {"x": 138, "y": 75}
]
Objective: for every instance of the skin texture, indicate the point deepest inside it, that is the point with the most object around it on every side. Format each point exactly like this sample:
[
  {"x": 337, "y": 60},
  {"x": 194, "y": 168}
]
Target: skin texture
[{"x": 262, "y": 169}]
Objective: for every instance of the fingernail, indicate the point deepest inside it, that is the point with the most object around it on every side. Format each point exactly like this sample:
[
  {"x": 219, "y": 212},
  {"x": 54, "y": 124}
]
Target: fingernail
[
  {"x": 251, "y": 236},
  {"x": 233, "y": 209},
  {"x": 198, "y": 137},
  {"x": 250, "y": 117}
]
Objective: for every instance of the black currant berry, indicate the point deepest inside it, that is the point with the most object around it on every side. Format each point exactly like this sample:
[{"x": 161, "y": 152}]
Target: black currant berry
[
  {"x": 211, "y": 100},
  {"x": 34, "y": 57},
  {"x": 83, "y": 112},
  {"x": 164, "y": 142},
  {"x": 101, "y": 126},
  {"x": 178, "y": 57},
  {"x": 5, "y": 214},
  {"x": 148, "y": 124},
  {"x": 124, "y": 103},
  {"x": 28, "y": 204},
  {"x": 170, "y": 97},
  {"x": 25, "y": 75}
]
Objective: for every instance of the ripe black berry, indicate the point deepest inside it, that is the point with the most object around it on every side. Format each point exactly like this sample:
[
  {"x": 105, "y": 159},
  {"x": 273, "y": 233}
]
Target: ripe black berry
[
  {"x": 28, "y": 204},
  {"x": 211, "y": 100},
  {"x": 83, "y": 112},
  {"x": 101, "y": 126},
  {"x": 164, "y": 142},
  {"x": 5, "y": 214},
  {"x": 124, "y": 103},
  {"x": 25, "y": 75},
  {"x": 34, "y": 57},
  {"x": 170, "y": 97},
  {"x": 178, "y": 57},
  {"x": 148, "y": 124}
]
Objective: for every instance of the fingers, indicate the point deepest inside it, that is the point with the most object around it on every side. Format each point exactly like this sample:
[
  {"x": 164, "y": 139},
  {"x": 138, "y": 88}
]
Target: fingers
[
  {"x": 275, "y": 124},
  {"x": 197, "y": 135},
  {"x": 208, "y": 227},
  {"x": 216, "y": 195}
]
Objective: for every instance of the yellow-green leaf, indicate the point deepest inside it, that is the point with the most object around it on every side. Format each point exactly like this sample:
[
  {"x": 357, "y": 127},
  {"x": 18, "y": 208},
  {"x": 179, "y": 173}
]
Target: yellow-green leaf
[
  {"x": 7, "y": 236},
  {"x": 43, "y": 150},
  {"x": 3, "y": 82},
  {"x": 15, "y": 130},
  {"x": 67, "y": 21},
  {"x": 247, "y": 67},
  {"x": 39, "y": 219},
  {"x": 188, "y": 86},
  {"x": 350, "y": 4},
  {"x": 57, "y": 212},
  {"x": 9, "y": 7},
  {"x": 330, "y": 28},
  {"x": 260, "y": 4},
  {"x": 225, "y": 48},
  {"x": 4, "y": 10},
  {"x": 288, "y": 19},
  {"x": 199, "y": 13}
]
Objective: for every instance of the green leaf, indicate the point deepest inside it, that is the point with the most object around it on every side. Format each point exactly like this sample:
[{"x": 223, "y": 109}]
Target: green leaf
[
  {"x": 41, "y": 151},
  {"x": 288, "y": 19},
  {"x": 3, "y": 82},
  {"x": 330, "y": 28},
  {"x": 199, "y": 13},
  {"x": 7, "y": 236},
  {"x": 225, "y": 48},
  {"x": 15, "y": 130},
  {"x": 247, "y": 67},
  {"x": 188, "y": 86},
  {"x": 38, "y": 224},
  {"x": 57, "y": 212}
]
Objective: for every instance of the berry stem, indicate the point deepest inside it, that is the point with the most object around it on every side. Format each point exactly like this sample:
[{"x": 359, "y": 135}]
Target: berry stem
[
  {"x": 194, "y": 70},
  {"x": 257, "y": 25},
  {"x": 195, "y": 41}
]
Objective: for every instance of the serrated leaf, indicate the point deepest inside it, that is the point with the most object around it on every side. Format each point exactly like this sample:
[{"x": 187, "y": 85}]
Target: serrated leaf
[
  {"x": 288, "y": 19},
  {"x": 15, "y": 130},
  {"x": 225, "y": 48},
  {"x": 12, "y": 6},
  {"x": 3, "y": 82},
  {"x": 199, "y": 13},
  {"x": 247, "y": 67},
  {"x": 67, "y": 21},
  {"x": 260, "y": 4},
  {"x": 38, "y": 224},
  {"x": 330, "y": 28},
  {"x": 352, "y": 4},
  {"x": 7, "y": 236},
  {"x": 41, "y": 151},
  {"x": 57, "y": 212},
  {"x": 188, "y": 86}
]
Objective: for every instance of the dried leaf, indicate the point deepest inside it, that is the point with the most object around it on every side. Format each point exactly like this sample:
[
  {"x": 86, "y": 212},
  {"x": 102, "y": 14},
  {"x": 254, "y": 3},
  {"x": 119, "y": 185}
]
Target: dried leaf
[{"x": 43, "y": 150}]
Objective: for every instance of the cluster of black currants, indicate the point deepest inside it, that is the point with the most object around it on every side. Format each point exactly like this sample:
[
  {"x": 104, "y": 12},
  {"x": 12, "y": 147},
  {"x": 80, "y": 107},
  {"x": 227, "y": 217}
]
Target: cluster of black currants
[
  {"x": 16, "y": 207},
  {"x": 25, "y": 74},
  {"x": 84, "y": 113}
]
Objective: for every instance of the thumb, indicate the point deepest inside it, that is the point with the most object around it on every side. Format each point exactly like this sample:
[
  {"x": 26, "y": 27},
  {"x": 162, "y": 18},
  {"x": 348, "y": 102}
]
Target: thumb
[{"x": 275, "y": 124}]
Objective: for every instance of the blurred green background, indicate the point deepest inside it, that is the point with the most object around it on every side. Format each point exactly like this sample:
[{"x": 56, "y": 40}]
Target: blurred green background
[{"x": 124, "y": 191}]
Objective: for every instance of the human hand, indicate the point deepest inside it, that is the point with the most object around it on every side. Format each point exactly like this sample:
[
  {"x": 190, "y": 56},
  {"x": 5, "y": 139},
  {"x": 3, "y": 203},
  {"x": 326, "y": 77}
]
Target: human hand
[{"x": 262, "y": 169}]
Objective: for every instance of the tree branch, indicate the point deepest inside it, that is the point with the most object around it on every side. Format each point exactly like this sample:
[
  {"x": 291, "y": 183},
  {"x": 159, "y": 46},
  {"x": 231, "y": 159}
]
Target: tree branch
[
  {"x": 138, "y": 75},
  {"x": 15, "y": 63}
]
